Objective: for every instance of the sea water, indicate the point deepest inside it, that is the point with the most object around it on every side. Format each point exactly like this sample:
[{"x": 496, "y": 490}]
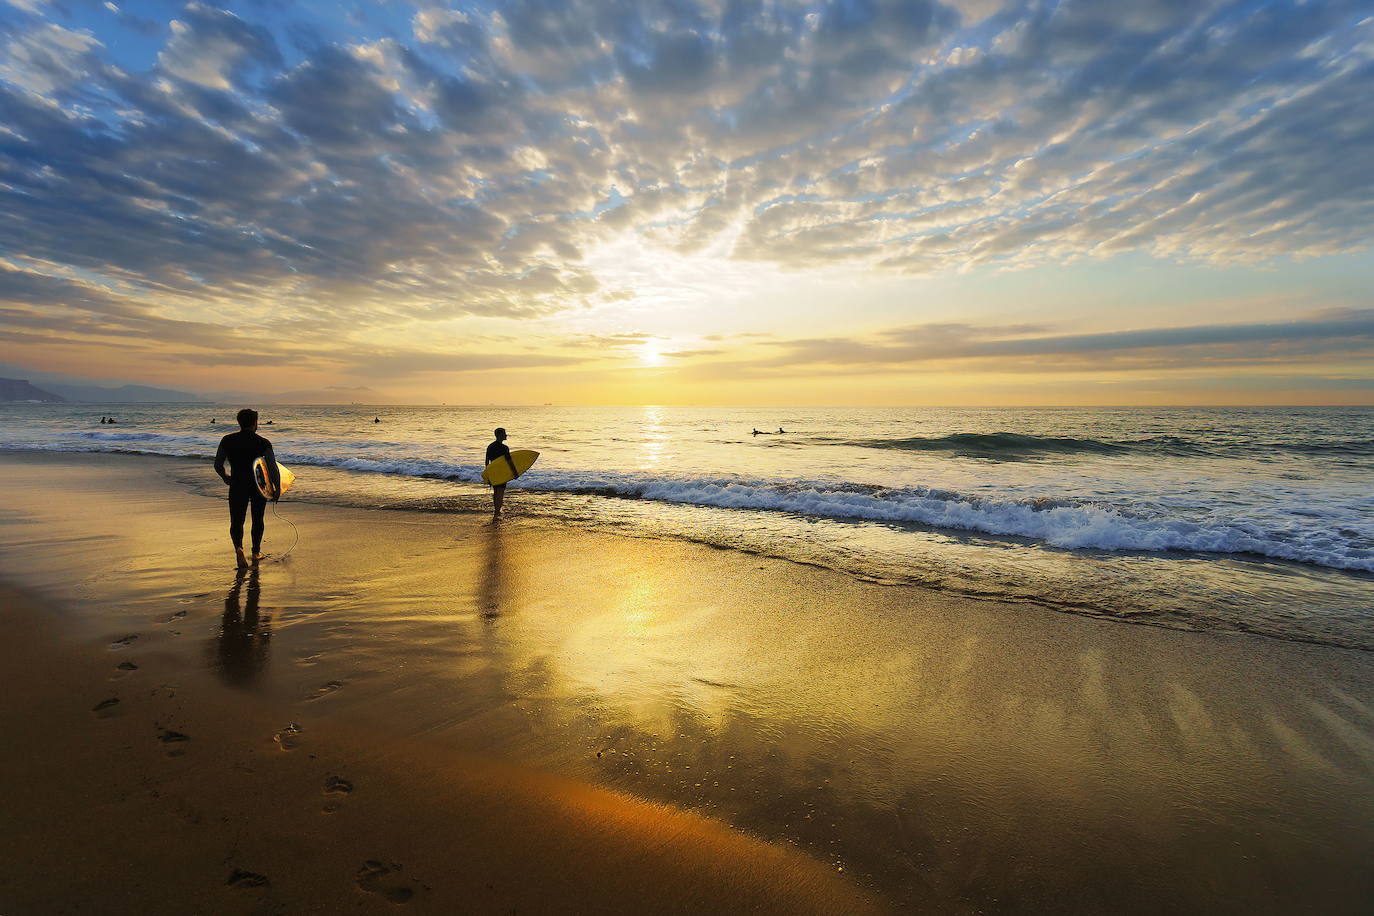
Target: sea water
[{"x": 1235, "y": 519}]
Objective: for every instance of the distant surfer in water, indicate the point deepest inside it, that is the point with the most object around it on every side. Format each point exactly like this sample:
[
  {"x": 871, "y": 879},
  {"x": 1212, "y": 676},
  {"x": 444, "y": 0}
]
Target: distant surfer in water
[
  {"x": 240, "y": 450},
  {"x": 499, "y": 449}
]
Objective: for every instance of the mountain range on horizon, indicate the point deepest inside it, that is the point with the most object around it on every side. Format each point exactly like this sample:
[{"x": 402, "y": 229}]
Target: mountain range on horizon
[
  {"x": 17, "y": 389},
  {"x": 52, "y": 388}
]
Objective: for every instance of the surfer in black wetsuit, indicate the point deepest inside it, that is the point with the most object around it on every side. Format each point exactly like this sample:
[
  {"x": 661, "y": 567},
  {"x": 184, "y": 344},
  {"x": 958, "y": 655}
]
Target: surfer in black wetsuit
[
  {"x": 240, "y": 450},
  {"x": 499, "y": 449}
]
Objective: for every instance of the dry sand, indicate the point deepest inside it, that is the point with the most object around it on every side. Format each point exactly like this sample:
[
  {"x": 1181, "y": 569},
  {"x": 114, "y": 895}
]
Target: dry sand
[{"x": 425, "y": 710}]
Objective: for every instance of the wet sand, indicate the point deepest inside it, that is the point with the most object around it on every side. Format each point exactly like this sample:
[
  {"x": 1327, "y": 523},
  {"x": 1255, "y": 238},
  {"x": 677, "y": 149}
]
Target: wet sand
[{"x": 426, "y": 710}]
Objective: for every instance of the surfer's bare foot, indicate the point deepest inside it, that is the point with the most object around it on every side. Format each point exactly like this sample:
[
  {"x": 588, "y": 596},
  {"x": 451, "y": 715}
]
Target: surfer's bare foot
[
  {"x": 242, "y": 560},
  {"x": 259, "y": 555}
]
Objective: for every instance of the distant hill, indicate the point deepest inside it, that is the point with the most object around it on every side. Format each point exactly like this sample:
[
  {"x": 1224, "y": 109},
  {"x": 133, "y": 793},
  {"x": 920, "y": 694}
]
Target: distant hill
[
  {"x": 15, "y": 389},
  {"x": 321, "y": 396},
  {"x": 123, "y": 394}
]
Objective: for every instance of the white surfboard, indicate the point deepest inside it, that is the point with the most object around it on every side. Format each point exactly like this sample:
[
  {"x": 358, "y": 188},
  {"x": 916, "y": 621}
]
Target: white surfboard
[{"x": 264, "y": 481}]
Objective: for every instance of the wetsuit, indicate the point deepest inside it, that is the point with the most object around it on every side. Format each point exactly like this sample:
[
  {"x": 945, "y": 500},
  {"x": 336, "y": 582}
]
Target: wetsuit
[
  {"x": 240, "y": 450},
  {"x": 498, "y": 449}
]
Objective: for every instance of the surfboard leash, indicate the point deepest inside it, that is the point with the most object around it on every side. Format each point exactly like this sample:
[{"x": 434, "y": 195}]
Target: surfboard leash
[{"x": 277, "y": 515}]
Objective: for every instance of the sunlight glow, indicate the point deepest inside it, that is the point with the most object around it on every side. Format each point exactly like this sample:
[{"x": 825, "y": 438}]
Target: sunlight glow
[{"x": 651, "y": 353}]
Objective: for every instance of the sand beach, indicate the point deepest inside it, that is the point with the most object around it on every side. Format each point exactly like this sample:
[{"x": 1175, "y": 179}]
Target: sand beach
[{"x": 429, "y": 711}]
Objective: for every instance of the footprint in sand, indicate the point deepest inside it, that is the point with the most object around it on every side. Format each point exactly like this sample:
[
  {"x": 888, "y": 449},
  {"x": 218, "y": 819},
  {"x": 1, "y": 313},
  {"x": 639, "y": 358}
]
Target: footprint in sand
[
  {"x": 123, "y": 643},
  {"x": 172, "y": 618},
  {"x": 105, "y": 708},
  {"x": 288, "y": 738},
  {"x": 324, "y": 690},
  {"x": 175, "y": 742},
  {"x": 241, "y": 878},
  {"x": 337, "y": 785},
  {"x": 377, "y": 878},
  {"x": 123, "y": 670}
]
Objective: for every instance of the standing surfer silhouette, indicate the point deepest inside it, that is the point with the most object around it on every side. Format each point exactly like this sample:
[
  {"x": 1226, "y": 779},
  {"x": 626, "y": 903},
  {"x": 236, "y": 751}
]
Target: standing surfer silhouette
[
  {"x": 240, "y": 450},
  {"x": 499, "y": 449}
]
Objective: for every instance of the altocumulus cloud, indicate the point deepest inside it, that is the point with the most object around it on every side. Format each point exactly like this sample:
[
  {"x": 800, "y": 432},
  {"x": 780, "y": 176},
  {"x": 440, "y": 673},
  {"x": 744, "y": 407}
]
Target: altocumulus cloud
[
  {"x": 461, "y": 162},
  {"x": 1336, "y": 333}
]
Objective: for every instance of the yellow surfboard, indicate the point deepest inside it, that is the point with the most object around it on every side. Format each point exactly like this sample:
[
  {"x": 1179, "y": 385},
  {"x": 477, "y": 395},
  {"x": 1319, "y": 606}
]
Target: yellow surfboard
[
  {"x": 498, "y": 472},
  {"x": 264, "y": 482}
]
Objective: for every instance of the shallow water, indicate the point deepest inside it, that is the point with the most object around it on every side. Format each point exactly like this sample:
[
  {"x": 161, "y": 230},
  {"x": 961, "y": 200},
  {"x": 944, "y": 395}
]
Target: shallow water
[{"x": 1242, "y": 519}]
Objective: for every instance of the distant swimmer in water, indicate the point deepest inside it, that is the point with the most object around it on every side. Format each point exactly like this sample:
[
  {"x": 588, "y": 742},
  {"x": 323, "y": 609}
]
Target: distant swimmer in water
[
  {"x": 499, "y": 449},
  {"x": 376, "y": 419},
  {"x": 240, "y": 450},
  {"x": 268, "y": 423},
  {"x": 213, "y": 420}
]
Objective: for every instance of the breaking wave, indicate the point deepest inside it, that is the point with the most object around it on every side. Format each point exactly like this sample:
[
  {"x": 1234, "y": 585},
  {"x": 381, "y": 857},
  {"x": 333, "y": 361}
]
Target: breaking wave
[
  {"x": 1054, "y": 522},
  {"x": 1008, "y": 446},
  {"x": 1288, "y": 533}
]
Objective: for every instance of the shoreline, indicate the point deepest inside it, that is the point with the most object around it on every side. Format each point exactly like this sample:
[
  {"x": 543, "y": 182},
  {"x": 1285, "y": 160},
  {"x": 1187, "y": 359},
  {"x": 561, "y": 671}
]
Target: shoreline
[
  {"x": 911, "y": 738},
  {"x": 472, "y": 501}
]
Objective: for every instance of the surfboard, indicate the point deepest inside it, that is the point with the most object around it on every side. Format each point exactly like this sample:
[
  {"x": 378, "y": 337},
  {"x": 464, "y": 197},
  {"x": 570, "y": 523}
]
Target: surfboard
[
  {"x": 264, "y": 482},
  {"x": 498, "y": 472}
]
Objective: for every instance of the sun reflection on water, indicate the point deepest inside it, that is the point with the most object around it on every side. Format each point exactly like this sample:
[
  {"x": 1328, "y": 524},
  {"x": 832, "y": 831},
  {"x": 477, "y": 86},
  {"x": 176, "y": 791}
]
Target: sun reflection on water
[{"x": 653, "y": 441}]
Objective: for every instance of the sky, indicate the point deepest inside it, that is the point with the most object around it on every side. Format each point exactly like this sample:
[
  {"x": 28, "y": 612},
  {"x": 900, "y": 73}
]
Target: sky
[{"x": 694, "y": 201}]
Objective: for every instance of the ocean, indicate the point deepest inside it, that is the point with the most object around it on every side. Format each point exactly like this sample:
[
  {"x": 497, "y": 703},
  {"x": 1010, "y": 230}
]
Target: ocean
[{"x": 1254, "y": 520}]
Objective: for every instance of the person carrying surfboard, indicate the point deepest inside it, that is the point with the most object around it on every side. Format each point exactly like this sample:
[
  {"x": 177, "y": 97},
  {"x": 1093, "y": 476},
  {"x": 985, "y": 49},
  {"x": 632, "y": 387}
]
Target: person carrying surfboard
[
  {"x": 499, "y": 449},
  {"x": 240, "y": 450}
]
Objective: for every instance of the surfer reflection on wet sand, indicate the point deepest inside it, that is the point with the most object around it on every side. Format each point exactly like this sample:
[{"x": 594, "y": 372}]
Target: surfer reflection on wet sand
[
  {"x": 240, "y": 650},
  {"x": 492, "y": 586}
]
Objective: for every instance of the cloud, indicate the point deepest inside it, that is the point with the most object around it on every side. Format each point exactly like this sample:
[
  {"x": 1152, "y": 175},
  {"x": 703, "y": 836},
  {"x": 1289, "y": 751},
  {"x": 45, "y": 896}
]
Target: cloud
[
  {"x": 45, "y": 58},
  {"x": 213, "y": 47},
  {"x": 624, "y": 340},
  {"x": 466, "y": 167},
  {"x": 405, "y": 363},
  {"x": 31, "y": 6},
  {"x": 1346, "y": 334}
]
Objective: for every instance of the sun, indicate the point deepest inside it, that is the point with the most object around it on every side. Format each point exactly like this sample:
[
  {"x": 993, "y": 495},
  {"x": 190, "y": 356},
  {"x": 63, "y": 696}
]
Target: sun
[{"x": 650, "y": 353}]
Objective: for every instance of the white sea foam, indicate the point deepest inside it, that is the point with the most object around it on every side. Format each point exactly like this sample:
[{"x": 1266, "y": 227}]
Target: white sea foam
[{"x": 1073, "y": 525}]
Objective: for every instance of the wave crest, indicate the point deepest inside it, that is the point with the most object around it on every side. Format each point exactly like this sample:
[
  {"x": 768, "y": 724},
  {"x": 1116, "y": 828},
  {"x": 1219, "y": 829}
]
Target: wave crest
[
  {"x": 1006, "y": 446},
  {"x": 993, "y": 445}
]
